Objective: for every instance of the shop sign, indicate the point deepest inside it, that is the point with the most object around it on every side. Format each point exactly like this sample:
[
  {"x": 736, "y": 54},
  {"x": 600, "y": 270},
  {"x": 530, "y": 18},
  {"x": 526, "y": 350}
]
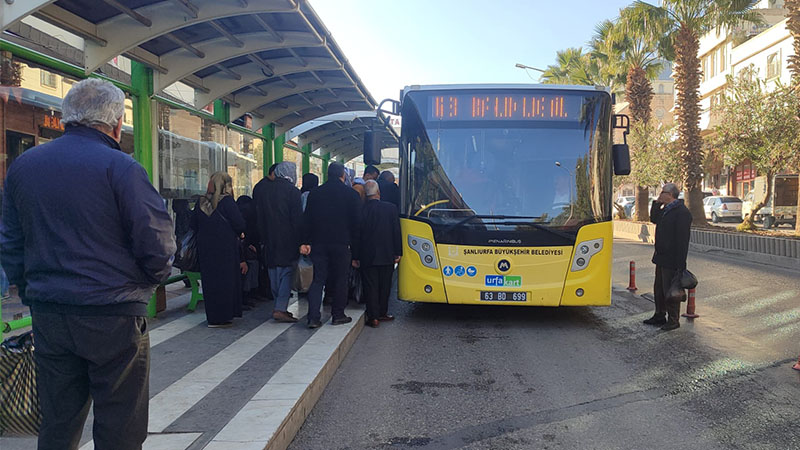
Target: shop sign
[{"x": 53, "y": 123}]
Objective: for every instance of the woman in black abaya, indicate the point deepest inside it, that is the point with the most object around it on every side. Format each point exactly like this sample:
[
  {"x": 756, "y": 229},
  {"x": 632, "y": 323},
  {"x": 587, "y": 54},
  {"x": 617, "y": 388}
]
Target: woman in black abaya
[{"x": 219, "y": 226}]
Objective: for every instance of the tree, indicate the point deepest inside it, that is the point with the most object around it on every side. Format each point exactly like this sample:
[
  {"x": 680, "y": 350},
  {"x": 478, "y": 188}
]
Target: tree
[
  {"x": 686, "y": 21},
  {"x": 793, "y": 24},
  {"x": 760, "y": 125},
  {"x": 636, "y": 41},
  {"x": 657, "y": 159}
]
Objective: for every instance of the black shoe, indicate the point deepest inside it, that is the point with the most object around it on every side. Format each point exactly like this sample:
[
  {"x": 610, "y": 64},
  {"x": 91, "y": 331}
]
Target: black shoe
[
  {"x": 655, "y": 320},
  {"x": 671, "y": 326},
  {"x": 313, "y": 325},
  {"x": 342, "y": 320}
]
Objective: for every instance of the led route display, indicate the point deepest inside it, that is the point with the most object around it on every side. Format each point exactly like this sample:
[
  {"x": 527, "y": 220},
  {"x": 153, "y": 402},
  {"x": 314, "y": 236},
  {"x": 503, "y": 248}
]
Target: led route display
[{"x": 504, "y": 107}]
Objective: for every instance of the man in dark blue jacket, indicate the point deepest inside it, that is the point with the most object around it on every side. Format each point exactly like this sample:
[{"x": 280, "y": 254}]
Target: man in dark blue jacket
[
  {"x": 86, "y": 238},
  {"x": 330, "y": 234}
]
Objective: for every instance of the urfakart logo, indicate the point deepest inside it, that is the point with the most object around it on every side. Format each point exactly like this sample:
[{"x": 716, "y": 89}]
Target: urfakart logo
[
  {"x": 505, "y": 241},
  {"x": 503, "y": 281}
]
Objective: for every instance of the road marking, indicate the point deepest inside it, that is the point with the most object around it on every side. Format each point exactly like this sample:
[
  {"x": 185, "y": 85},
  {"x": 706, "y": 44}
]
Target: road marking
[
  {"x": 171, "y": 403},
  {"x": 176, "y": 327},
  {"x": 256, "y": 423},
  {"x": 170, "y": 441},
  {"x": 757, "y": 304}
]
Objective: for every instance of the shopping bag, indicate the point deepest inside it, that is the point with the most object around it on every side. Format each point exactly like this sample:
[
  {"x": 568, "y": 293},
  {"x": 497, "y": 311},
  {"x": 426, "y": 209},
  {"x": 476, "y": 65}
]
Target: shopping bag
[
  {"x": 354, "y": 289},
  {"x": 187, "y": 254},
  {"x": 19, "y": 399},
  {"x": 303, "y": 274},
  {"x": 688, "y": 280},
  {"x": 676, "y": 292}
]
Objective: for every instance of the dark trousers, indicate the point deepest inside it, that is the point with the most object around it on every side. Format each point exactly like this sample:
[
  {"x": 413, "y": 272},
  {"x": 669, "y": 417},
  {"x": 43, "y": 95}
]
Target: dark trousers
[
  {"x": 665, "y": 306},
  {"x": 331, "y": 266},
  {"x": 377, "y": 283},
  {"x": 80, "y": 359}
]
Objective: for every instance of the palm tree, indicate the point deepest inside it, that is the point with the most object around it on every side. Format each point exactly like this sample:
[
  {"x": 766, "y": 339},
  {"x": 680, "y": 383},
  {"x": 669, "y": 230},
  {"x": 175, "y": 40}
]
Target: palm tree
[
  {"x": 686, "y": 21},
  {"x": 638, "y": 44},
  {"x": 793, "y": 24},
  {"x": 572, "y": 66}
]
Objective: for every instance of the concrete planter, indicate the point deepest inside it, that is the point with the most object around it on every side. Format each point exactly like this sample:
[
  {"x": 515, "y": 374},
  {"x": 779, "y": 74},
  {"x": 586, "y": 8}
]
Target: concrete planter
[{"x": 775, "y": 251}]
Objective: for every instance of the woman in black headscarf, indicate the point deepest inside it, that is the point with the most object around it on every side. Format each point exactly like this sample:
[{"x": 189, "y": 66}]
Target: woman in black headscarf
[
  {"x": 310, "y": 182},
  {"x": 219, "y": 226}
]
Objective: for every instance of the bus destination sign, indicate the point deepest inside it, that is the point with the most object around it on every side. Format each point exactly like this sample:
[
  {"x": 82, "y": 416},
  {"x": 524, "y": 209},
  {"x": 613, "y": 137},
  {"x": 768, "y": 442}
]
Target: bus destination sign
[{"x": 504, "y": 107}]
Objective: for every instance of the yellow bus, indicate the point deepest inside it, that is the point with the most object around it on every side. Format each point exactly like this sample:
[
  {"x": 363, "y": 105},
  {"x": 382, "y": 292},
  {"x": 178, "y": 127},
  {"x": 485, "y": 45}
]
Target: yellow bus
[{"x": 506, "y": 194}]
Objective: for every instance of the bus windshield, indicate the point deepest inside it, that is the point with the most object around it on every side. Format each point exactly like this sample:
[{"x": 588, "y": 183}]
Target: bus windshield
[{"x": 509, "y": 157}]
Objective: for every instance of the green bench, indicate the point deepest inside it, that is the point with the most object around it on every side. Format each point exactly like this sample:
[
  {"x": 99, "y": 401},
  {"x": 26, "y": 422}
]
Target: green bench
[{"x": 194, "y": 279}]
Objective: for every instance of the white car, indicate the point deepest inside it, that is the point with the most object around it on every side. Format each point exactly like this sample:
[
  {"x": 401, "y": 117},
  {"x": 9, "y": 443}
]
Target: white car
[
  {"x": 723, "y": 207},
  {"x": 625, "y": 201}
]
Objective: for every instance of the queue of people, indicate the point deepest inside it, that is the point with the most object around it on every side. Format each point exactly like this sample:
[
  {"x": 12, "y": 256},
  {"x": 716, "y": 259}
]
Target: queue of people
[{"x": 331, "y": 224}]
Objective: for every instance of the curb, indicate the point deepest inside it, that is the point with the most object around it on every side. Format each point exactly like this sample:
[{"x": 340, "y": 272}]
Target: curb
[{"x": 287, "y": 430}]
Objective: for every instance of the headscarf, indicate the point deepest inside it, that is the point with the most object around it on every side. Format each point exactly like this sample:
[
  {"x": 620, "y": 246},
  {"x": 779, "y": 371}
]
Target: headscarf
[
  {"x": 349, "y": 174},
  {"x": 220, "y": 185},
  {"x": 287, "y": 170},
  {"x": 310, "y": 181}
]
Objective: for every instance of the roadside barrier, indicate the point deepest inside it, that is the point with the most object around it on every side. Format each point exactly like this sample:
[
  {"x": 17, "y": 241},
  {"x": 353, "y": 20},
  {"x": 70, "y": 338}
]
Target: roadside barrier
[
  {"x": 632, "y": 283},
  {"x": 690, "y": 306}
]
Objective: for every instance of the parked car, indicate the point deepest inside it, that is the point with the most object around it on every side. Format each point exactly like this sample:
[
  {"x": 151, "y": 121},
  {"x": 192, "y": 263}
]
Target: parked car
[
  {"x": 718, "y": 207},
  {"x": 625, "y": 200},
  {"x": 629, "y": 207}
]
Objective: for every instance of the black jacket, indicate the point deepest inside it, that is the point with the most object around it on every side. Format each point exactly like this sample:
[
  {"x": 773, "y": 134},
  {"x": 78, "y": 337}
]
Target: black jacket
[
  {"x": 83, "y": 227},
  {"x": 390, "y": 192},
  {"x": 333, "y": 216},
  {"x": 280, "y": 220},
  {"x": 673, "y": 230},
  {"x": 380, "y": 234}
]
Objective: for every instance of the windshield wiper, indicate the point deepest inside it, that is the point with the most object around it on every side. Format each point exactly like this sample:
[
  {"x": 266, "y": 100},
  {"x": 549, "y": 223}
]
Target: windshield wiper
[
  {"x": 536, "y": 225},
  {"x": 487, "y": 216}
]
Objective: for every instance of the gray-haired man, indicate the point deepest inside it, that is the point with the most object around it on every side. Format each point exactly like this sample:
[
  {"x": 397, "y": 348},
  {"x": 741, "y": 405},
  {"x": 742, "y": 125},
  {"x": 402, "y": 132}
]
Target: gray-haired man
[
  {"x": 86, "y": 238},
  {"x": 673, "y": 226}
]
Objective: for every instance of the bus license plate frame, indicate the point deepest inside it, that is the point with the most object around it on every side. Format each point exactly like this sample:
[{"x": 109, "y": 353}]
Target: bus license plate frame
[{"x": 503, "y": 296}]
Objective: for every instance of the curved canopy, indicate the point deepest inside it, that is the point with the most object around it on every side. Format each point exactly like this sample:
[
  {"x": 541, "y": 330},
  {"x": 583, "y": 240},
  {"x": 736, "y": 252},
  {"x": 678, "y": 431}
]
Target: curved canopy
[
  {"x": 344, "y": 137},
  {"x": 271, "y": 58}
]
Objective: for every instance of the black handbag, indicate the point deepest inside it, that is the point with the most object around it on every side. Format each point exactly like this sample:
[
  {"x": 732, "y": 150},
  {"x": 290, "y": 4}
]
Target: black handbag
[
  {"x": 681, "y": 281},
  {"x": 688, "y": 280},
  {"x": 19, "y": 398},
  {"x": 187, "y": 255}
]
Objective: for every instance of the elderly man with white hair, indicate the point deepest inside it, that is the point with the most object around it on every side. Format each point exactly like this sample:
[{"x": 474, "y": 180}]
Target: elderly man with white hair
[
  {"x": 673, "y": 227},
  {"x": 87, "y": 238},
  {"x": 380, "y": 249}
]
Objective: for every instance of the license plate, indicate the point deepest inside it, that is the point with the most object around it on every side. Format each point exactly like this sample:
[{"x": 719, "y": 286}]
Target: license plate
[{"x": 503, "y": 296}]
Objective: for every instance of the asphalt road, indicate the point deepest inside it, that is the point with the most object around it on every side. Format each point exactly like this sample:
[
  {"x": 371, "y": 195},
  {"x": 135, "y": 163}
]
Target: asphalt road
[{"x": 443, "y": 377}]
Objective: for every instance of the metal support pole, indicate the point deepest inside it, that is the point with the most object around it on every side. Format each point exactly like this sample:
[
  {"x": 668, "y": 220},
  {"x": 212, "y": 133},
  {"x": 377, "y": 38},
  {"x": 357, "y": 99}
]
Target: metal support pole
[
  {"x": 268, "y": 131},
  {"x": 279, "y": 141},
  {"x": 306, "y": 158},
  {"x": 326, "y": 158},
  {"x": 142, "y": 82},
  {"x": 222, "y": 112}
]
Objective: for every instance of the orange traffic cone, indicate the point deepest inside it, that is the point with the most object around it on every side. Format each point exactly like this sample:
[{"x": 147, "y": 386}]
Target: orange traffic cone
[
  {"x": 797, "y": 365},
  {"x": 632, "y": 279},
  {"x": 690, "y": 306}
]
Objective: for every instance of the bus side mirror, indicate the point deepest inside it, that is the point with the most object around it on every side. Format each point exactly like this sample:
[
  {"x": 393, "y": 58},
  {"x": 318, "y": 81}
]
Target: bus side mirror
[
  {"x": 620, "y": 153},
  {"x": 621, "y": 156},
  {"x": 372, "y": 150}
]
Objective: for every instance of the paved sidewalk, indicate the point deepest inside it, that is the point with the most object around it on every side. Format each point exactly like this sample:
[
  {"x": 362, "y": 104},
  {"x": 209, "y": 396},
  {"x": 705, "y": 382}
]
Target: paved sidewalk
[{"x": 245, "y": 387}]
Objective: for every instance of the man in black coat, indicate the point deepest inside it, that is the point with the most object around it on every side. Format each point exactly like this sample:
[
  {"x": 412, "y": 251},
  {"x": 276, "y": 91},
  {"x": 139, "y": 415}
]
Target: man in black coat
[
  {"x": 380, "y": 248},
  {"x": 280, "y": 218},
  {"x": 330, "y": 235},
  {"x": 390, "y": 192},
  {"x": 673, "y": 226}
]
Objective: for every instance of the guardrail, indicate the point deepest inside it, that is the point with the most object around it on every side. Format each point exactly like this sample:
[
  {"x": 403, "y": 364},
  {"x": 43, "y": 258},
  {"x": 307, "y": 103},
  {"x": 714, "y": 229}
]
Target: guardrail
[
  {"x": 152, "y": 305},
  {"x": 771, "y": 250}
]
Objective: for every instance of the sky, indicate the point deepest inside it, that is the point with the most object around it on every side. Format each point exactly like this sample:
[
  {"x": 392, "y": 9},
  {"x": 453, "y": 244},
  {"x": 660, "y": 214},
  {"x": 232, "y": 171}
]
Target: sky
[{"x": 395, "y": 43}]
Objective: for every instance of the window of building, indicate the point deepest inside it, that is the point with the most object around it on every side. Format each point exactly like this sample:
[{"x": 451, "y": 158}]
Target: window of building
[
  {"x": 773, "y": 65},
  {"x": 723, "y": 60},
  {"x": 704, "y": 64},
  {"x": 712, "y": 64},
  {"x": 48, "y": 79},
  {"x": 660, "y": 88}
]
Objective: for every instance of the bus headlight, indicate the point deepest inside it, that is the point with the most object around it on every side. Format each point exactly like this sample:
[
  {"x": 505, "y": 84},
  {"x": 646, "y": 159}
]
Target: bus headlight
[
  {"x": 584, "y": 252},
  {"x": 424, "y": 249}
]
